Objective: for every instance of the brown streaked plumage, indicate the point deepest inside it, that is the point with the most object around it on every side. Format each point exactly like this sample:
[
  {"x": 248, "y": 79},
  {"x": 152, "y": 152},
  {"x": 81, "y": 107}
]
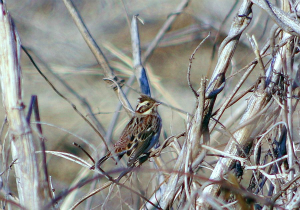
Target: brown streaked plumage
[{"x": 140, "y": 134}]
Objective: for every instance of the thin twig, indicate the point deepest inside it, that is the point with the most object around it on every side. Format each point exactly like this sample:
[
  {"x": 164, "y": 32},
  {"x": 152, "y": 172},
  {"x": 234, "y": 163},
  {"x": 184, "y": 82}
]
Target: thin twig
[
  {"x": 111, "y": 180},
  {"x": 254, "y": 46},
  {"x": 190, "y": 65},
  {"x": 85, "y": 152},
  {"x": 83, "y": 101},
  {"x": 101, "y": 59},
  {"x": 166, "y": 26},
  {"x": 65, "y": 98}
]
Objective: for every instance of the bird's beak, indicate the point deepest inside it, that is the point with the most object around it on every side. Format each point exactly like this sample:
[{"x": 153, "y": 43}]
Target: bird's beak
[{"x": 157, "y": 104}]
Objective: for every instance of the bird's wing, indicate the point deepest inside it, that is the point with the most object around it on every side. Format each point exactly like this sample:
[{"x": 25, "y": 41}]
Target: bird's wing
[{"x": 143, "y": 138}]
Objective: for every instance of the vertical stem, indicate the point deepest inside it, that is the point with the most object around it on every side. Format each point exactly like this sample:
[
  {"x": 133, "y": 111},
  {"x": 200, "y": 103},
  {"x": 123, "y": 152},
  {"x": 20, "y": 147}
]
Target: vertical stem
[{"x": 30, "y": 192}]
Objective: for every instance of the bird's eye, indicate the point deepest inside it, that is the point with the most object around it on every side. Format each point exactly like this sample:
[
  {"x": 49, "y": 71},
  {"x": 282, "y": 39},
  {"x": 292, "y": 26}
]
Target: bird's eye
[{"x": 148, "y": 104}]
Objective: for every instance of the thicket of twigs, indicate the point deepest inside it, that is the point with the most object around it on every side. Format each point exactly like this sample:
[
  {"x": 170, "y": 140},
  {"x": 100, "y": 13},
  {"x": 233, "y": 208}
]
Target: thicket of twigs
[{"x": 238, "y": 148}]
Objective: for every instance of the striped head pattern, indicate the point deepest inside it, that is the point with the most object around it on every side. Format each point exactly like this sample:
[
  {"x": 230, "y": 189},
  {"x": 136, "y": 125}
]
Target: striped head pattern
[{"x": 146, "y": 105}]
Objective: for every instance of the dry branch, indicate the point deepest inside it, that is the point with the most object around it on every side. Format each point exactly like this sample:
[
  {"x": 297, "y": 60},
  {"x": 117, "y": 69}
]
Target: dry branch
[
  {"x": 261, "y": 110},
  {"x": 265, "y": 119},
  {"x": 111, "y": 78},
  {"x": 283, "y": 19},
  {"x": 138, "y": 67},
  {"x": 29, "y": 180}
]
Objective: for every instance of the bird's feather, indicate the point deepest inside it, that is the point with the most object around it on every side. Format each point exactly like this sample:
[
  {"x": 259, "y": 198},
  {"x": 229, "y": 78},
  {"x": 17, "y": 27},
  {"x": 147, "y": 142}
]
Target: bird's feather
[
  {"x": 140, "y": 134},
  {"x": 144, "y": 138}
]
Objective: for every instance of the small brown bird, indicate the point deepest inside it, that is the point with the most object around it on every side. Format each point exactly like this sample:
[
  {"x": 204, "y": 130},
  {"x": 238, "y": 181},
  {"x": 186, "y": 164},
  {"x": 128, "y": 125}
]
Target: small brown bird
[{"x": 140, "y": 134}]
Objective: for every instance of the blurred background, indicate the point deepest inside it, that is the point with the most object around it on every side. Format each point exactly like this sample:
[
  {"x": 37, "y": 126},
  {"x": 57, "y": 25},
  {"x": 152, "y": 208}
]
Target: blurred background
[{"x": 48, "y": 32}]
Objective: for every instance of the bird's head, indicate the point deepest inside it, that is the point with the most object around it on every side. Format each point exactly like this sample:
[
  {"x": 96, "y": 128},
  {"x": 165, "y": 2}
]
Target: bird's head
[{"x": 146, "y": 105}]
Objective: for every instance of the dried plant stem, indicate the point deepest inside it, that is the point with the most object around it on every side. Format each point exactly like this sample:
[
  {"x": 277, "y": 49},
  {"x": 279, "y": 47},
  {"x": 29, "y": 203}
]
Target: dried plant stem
[
  {"x": 255, "y": 103},
  {"x": 29, "y": 180},
  {"x": 175, "y": 181},
  {"x": 164, "y": 29},
  {"x": 89, "y": 39},
  {"x": 226, "y": 51},
  {"x": 140, "y": 71},
  {"x": 254, "y": 122},
  {"x": 66, "y": 99},
  {"x": 229, "y": 98},
  {"x": 112, "y": 182},
  {"x": 84, "y": 102},
  {"x": 190, "y": 65},
  {"x": 284, "y": 20},
  {"x": 108, "y": 72},
  {"x": 188, "y": 152},
  {"x": 255, "y": 48},
  {"x": 228, "y": 46},
  {"x": 288, "y": 111}
]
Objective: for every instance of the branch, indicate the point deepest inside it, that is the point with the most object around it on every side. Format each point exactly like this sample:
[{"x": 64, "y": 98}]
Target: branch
[{"x": 29, "y": 181}]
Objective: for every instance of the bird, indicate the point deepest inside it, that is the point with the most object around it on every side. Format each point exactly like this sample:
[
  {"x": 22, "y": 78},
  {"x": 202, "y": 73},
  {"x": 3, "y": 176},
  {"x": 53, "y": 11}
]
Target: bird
[{"x": 139, "y": 135}]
